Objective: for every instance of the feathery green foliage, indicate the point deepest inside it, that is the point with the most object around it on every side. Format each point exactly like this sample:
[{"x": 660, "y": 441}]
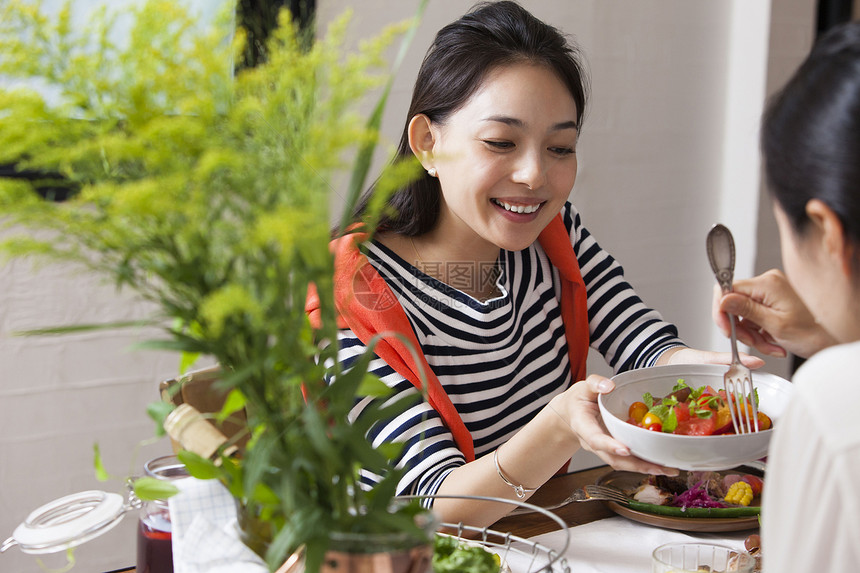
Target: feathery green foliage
[{"x": 208, "y": 193}]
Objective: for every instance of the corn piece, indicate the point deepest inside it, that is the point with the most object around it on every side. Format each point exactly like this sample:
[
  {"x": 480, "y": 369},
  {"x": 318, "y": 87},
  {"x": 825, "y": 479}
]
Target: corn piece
[{"x": 740, "y": 493}]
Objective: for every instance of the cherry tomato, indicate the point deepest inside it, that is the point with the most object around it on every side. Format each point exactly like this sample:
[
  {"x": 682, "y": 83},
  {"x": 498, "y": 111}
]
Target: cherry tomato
[
  {"x": 650, "y": 419},
  {"x": 755, "y": 483},
  {"x": 655, "y": 427},
  {"x": 764, "y": 421},
  {"x": 637, "y": 411}
]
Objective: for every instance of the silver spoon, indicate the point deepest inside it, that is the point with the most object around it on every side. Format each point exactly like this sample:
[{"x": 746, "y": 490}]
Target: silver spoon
[{"x": 737, "y": 381}]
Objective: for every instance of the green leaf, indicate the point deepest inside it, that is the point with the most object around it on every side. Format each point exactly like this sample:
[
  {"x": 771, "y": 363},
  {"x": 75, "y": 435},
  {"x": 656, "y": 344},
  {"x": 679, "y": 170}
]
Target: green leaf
[
  {"x": 178, "y": 345},
  {"x": 187, "y": 360},
  {"x": 391, "y": 450},
  {"x": 101, "y": 473},
  {"x": 234, "y": 402},
  {"x": 264, "y": 495},
  {"x": 648, "y": 399},
  {"x": 373, "y": 387},
  {"x": 75, "y": 328},
  {"x": 149, "y": 489},
  {"x": 661, "y": 412},
  {"x": 199, "y": 467},
  {"x": 670, "y": 422},
  {"x": 159, "y": 411},
  {"x": 703, "y": 413}
]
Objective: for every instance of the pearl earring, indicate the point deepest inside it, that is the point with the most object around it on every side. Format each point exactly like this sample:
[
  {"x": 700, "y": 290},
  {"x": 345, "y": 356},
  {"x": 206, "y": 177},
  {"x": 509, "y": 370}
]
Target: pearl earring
[{"x": 431, "y": 172}]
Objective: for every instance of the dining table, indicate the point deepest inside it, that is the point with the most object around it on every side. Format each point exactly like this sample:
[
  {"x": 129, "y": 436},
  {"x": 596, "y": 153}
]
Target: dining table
[{"x": 596, "y": 539}]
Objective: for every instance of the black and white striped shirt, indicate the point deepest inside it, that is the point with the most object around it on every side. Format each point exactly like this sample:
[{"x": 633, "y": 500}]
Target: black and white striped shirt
[{"x": 502, "y": 360}]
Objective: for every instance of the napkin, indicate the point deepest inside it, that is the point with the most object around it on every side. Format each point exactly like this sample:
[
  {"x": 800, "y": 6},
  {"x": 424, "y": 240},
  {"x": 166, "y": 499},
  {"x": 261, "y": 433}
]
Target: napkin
[
  {"x": 615, "y": 545},
  {"x": 205, "y": 532}
]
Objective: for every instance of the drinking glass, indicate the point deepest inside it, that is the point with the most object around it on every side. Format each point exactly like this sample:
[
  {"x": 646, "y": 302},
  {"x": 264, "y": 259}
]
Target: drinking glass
[{"x": 695, "y": 557}]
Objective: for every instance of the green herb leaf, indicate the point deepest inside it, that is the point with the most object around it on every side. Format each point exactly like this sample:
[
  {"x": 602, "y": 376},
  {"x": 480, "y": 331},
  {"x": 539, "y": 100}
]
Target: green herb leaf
[
  {"x": 101, "y": 473},
  {"x": 150, "y": 489},
  {"x": 648, "y": 399},
  {"x": 159, "y": 411},
  {"x": 670, "y": 422},
  {"x": 198, "y": 466},
  {"x": 679, "y": 385},
  {"x": 374, "y": 387},
  {"x": 703, "y": 413},
  {"x": 234, "y": 402},
  {"x": 187, "y": 360}
]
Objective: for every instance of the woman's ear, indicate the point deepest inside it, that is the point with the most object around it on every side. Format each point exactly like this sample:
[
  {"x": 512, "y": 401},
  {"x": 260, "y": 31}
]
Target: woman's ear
[
  {"x": 833, "y": 241},
  {"x": 421, "y": 139}
]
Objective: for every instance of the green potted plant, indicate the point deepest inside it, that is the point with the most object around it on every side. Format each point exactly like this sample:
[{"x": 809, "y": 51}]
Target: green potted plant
[{"x": 206, "y": 192}]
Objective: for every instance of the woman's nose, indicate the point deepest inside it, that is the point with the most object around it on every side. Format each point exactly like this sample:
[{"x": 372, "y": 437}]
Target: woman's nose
[{"x": 530, "y": 170}]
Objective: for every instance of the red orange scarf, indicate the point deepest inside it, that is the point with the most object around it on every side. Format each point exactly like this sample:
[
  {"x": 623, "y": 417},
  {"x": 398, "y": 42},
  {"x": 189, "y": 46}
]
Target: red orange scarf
[{"x": 367, "y": 306}]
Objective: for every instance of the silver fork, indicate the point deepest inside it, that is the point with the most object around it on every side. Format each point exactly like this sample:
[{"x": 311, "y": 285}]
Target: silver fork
[
  {"x": 588, "y": 493},
  {"x": 737, "y": 381}
]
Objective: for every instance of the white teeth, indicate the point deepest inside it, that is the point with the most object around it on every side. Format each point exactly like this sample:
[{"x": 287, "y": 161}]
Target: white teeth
[{"x": 518, "y": 208}]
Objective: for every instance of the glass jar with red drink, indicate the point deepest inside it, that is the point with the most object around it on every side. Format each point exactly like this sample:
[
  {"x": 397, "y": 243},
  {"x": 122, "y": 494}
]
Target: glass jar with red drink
[{"x": 154, "y": 532}]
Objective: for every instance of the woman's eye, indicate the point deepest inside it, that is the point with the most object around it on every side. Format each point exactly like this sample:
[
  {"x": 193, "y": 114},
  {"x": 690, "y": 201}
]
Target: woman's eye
[
  {"x": 562, "y": 150},
  {"x": 499, "y": 144}
]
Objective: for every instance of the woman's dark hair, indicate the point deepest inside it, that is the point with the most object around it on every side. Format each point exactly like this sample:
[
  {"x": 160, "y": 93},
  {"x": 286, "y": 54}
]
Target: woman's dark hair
[
  {"x": 490, "y": 35},
  {"x": 811, "y": 134}
]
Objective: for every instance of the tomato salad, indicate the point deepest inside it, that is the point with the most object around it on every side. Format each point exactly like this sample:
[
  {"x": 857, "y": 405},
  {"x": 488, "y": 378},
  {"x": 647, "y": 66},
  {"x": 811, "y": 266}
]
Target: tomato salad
[{"x": 701, "y": 411}]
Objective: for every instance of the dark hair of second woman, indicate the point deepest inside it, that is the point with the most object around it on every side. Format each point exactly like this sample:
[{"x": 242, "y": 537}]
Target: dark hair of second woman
[
  {"x": 811, "y": 134},
  {"x": 491, "y": 35}
]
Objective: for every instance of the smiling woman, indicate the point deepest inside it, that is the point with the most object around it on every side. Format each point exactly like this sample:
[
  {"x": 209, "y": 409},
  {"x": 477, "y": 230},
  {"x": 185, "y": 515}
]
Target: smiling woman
[
  {"x": 489, "y": 271},
  {"x": 506, "y": 162}
]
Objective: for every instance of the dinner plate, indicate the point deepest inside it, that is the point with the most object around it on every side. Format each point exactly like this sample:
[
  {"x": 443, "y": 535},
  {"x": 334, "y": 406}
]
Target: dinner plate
[{"x": 631, "y": 480}]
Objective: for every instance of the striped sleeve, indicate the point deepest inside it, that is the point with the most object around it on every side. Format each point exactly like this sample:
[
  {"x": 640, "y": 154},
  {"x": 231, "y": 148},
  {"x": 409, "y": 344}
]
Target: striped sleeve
[{"x": 623, "y": 329}]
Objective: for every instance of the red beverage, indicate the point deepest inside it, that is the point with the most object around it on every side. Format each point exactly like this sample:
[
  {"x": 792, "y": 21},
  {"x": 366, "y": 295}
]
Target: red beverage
[
  {"x": 154, "y": 546},
  {"x": 154, "y": 534}
]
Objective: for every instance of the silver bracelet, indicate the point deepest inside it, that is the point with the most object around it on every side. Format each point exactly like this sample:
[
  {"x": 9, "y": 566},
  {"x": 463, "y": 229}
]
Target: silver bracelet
[{"x": 518, "y": 489}]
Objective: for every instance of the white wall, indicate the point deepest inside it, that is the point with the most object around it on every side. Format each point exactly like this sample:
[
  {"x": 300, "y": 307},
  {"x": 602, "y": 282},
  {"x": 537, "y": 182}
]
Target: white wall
[
  {"x": 674, "y": 84},
  {"x": 61, "y": 395}
]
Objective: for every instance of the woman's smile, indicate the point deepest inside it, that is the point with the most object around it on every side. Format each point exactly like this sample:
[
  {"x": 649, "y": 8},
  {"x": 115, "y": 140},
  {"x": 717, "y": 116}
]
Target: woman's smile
[{"x": 517, "y": 211}]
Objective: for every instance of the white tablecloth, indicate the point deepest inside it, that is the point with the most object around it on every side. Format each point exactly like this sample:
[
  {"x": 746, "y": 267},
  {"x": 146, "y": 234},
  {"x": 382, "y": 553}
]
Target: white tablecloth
[
  {"x": 617, "y": 545},
  {"x": 205, "y": 539}
]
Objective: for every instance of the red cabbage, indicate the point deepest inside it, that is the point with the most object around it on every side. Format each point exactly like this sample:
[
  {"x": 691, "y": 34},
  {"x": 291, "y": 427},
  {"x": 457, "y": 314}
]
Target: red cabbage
[{"x": 696, "y": 496}]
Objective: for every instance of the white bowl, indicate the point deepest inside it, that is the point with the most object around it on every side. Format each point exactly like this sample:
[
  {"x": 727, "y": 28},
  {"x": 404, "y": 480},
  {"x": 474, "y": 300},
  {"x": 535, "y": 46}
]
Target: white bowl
[{"x": 689, "y": 452}]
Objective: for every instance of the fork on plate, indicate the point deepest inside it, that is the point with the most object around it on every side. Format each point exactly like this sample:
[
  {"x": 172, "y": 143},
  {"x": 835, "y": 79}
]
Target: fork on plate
[
  {"x": 588, "y": 493},
  {"x": 737, "y": 381}
]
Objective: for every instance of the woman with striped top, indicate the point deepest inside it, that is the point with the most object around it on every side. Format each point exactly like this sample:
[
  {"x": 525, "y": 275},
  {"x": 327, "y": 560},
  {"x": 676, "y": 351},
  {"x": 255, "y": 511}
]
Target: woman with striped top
[{"x": 491, "y": 266}]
